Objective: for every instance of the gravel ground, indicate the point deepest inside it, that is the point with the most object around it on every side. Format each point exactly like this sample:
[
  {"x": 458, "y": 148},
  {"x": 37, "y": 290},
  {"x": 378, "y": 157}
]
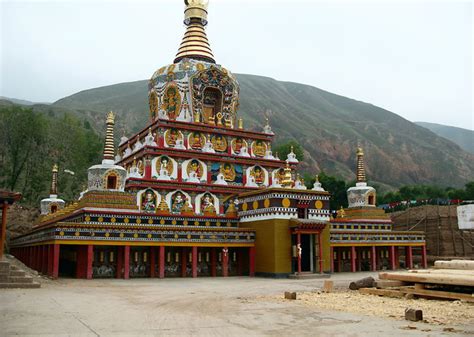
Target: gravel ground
[{"x": 234, "y": 306}]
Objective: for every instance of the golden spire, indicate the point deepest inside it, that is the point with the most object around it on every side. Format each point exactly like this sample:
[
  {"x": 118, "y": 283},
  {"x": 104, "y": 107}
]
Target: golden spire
[
  {"x": 54, "y": 181},
  {"x": 109, "y": 148},
  {"x": 360, "y": 166},
  {"x": 195, "y": 44},
  {"x": 287, "y": 180}
]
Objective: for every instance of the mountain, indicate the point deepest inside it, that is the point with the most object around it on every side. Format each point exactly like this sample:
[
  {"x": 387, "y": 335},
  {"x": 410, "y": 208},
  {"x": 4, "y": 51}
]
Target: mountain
[
  {"x": 19, "y": 101},
  {"x": 328, "y": 126},
  {"x": 463, "y": 137}
]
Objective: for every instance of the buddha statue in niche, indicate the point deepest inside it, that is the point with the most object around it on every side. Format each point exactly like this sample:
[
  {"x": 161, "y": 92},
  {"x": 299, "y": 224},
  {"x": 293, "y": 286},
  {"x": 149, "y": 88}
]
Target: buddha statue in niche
[{"x": 212, "y": 104}]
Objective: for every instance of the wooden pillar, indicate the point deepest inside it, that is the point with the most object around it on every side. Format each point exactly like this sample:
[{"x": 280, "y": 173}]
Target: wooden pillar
[
  {"x": 183, "y": 262},
  {"x": 3, "y": 233},
  {"x": 162, "y": 262},
  {"x": 332, "y": 259},
  {"x": 373, "y": 260},
  {"x": 126, "y": 262},
  {"x": 320, "y": 243},
  {"x": 120, "y": 254},
  {"x": 38, "y": 258},
  {"x": 298, "y": 250},
  {"x": 213, "y": 262},
  {"x": 409, "y": 257},
  {"x": 393, "y": 264},
  {"x": 152, "y": 261},
  {"x": 252, "y": 261},
  {"x": 55, "y": 257},
  {"x": 194, "y": 261},
  {"x": 225, "y": 262},
  {"x": 89, "y": 249},
  {"x": 353, "y": 259},
  {"x": 424, "y": 260}
]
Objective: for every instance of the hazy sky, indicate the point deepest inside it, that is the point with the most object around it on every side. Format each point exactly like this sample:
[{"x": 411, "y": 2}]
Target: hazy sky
[{"x": 411, "y": 57}]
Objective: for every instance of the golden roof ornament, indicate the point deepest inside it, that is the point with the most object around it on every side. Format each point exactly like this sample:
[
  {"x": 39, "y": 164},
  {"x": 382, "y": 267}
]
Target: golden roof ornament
[
  {"x": 341, "y": 213},
  {"x": 195, "y": 44},
  {"x": 109, "y": 147},
  {"x": 360, "y": 175},
  {"x": 54, "y": 180},
  {"x": 287, "y": 180},
  {"x": 240, "y": 123},
  {"x": 163, "y": 206}
]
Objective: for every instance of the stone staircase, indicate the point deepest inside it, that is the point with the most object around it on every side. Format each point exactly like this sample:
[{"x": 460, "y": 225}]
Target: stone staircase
[{"x": 13, "y": 277}]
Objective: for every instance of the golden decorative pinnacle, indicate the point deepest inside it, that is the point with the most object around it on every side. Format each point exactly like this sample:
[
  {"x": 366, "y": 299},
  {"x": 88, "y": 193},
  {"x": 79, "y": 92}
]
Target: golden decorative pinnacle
[
  {"x": 109, "y": 147},
  {"x": 110, "y": 117},
  {"x": 195, "y": 44},
  {"x": 360, "y": 175},
  {"x": 54, "y": 180},
  {"x": 241, "y": 123}
]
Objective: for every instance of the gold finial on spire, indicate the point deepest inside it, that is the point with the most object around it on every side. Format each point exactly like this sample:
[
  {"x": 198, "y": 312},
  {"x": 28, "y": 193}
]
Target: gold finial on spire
[
  {"x": 241, "y": 123},
  {"x": 195, "y": 44},
  {"x": 54, "y": 180},
  {"x": 109, "y": 147},
  {"x": 287, "y": 180},
  {"x": 360, "y": 166}
]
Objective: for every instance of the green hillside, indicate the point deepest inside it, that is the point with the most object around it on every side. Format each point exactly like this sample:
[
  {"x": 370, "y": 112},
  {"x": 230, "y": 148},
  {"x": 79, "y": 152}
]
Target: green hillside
[
  {"x": 463, "y": 137},
  {"x": 328, "y": 126}
]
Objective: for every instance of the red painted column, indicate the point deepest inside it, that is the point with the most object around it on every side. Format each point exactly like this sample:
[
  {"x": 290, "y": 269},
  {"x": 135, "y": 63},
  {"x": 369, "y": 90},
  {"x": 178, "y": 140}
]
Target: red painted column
[
  {"x": 409, "y": 257},
  {"x": 152, "y": 261},
  {"x": 120, "y": 254},
  {"x": 183, "y": 262},
  {"x": 225, "y": 262},
  {"x": 162, "y": 262},
  {"x": 195, "y": 260},
  {"x": 298, "y": 251},
  {"x": 147, "y": 169},
  {"x": 213, "y": 262},
  {"x": 320, "y": 242},
  {"x": 424, "y": 259},
  {"x": 353, "y": 259},
  {"x": 126, "y": 262},
  {"x": 55, "y": 258},
  {"x": 209, "y": 173},
  {"x": 332, "y": 259},
  {"x": 180, "y": 173},
  {"x": 373, "y": 260},
  {"x": 252, "y": 261},
  {"x": 392, "y": 254},
  {"x": 89, "y": 258}
]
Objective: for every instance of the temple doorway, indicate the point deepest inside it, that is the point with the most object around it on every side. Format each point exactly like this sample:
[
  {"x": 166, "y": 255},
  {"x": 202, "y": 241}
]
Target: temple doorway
[
  {"x": 306, "y": 257},
  {"x": 67, "y": 261}
]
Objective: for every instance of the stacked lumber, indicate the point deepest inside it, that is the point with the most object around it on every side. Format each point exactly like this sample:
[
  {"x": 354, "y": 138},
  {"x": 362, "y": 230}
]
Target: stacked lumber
[{"x": 452, "y": 280}]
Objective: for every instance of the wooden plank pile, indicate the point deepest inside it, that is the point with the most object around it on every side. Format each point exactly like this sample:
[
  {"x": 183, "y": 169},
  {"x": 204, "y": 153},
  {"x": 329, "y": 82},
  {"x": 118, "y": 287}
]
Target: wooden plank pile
[{"x": 450, "y": 280}]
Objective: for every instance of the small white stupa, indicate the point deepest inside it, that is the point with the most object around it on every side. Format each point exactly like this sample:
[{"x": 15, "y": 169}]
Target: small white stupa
[
  {"x": 291, "y": 158},
  {"x": 107, "y": 176},
  {"x": 53, "y": 203}
]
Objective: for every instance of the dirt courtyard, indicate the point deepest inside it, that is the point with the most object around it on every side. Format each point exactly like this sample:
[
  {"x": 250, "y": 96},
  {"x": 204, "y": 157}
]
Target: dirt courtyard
[{"x": 234, "y": 306}]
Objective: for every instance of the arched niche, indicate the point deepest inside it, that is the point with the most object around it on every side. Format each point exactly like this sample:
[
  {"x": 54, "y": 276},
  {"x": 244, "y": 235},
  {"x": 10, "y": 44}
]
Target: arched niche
[
  {"x": 194, "y": 165},
  {"x": 211, "y": 104},
  {"x": 145, "y": 198},
  {"x": 260, "y": 174},
  {"x": 200, "y": 199},
  {"x": 172, "y": 199},
  {"x": 171, "y": 165}
]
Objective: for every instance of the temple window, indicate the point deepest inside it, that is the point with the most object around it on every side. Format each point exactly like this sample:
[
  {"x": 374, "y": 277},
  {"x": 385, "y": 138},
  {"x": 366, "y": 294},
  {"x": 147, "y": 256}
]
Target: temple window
[
  {"x": 54, "y": 208},
  {"x": 112, "y": 182},
  {"x": 302, "y": 214},
  {"x": 212, "y": 104}
]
